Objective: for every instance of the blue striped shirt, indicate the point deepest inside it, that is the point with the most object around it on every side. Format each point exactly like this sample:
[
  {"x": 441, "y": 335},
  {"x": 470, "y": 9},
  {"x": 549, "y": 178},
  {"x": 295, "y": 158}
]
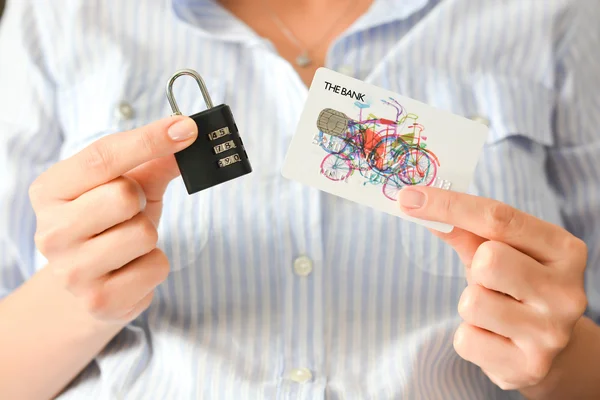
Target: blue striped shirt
[{"x": 269, "y": 276}]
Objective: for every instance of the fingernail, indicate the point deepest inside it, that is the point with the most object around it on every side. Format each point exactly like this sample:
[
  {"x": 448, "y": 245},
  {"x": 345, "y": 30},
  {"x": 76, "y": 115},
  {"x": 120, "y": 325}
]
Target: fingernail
[
  {"x": 410, "y": 198},
  {"x": 182, "y": 130}
]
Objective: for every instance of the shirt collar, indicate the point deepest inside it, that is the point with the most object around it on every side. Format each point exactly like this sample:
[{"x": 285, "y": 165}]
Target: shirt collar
[{"x": 207, "y": 17}]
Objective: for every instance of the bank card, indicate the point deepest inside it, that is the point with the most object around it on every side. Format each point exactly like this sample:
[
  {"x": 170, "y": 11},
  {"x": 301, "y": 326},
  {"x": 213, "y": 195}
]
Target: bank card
[{"x": 364, "y": 143}]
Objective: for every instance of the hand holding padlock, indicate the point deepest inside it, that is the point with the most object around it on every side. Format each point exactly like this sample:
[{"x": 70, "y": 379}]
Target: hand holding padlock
[
  {"x": 97, "y": 214},
  {"x": 218, "y": 154}
]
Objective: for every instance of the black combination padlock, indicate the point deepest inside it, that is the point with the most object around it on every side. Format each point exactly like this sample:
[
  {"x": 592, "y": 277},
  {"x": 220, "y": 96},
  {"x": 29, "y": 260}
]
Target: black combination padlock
[{"x": 218, "y": 154}]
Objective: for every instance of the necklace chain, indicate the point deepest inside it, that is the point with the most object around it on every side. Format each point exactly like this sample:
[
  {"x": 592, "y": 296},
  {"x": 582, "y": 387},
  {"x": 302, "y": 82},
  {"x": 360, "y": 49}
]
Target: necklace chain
[{"x": 303, "y": 59}]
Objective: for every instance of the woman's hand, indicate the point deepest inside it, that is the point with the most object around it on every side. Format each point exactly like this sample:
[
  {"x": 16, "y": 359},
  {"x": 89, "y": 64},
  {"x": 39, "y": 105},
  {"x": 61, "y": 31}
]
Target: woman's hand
[
  {"x": 97, "y": 216},
  {"x": 525, "y": 290}
]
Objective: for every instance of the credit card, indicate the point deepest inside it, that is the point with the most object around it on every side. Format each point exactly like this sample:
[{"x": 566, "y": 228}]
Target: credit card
[{"x": 364, "y": 143}]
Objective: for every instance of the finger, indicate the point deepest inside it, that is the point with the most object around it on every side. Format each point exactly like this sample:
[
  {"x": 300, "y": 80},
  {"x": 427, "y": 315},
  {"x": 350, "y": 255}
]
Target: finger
[
  {"x": 109, "y": 205},
  {"x": 464, "y": 243},
  {"x": 114, "y": 155},
  {"x": 500, "y": 267},
  {"x": 123, "y": 289},
  {"x": 62, "y": 226},
  {"x": 497, "y": 313},
  {"x": 106, "y": 252},
  {"x": 494, "y": 354},
  {"x": 484, "y": 217},
  {"x": 154, "y": 177}
]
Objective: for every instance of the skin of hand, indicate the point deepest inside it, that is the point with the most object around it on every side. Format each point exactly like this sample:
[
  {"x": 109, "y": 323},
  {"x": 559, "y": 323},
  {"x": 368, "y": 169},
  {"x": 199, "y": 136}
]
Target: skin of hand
[
  {"x": 98, "y": 212},
  {"x": 525, "y": 295}
]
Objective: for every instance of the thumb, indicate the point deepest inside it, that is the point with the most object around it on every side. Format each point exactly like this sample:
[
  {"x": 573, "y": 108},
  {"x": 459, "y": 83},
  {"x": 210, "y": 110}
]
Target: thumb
[{"x": 155, "y": 173}]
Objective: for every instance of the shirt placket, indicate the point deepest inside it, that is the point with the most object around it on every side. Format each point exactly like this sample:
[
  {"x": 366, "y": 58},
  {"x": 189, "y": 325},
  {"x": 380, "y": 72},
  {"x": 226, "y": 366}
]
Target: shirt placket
[{"x": 303, "y": 372}]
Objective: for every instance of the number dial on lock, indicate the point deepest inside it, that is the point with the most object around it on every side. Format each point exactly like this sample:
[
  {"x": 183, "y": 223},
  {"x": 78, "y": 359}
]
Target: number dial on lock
[{"x": 218, "y": 154}]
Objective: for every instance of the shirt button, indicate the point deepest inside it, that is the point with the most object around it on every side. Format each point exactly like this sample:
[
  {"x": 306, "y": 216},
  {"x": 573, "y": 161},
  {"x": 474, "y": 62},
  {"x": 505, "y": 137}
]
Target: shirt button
[
  {"x": 345, "y": 70},
  {"x": 300, "y": 375},
  {"x": 481, "y": 119},
  {"x": 124, "y": 111},
  {"x": 303, "y": 266}
]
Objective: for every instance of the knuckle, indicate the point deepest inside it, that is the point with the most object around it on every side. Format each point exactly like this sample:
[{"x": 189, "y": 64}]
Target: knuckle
[
  {"x": 576, "y": 244},
  {"x": 54, "y": 232},
  {"x": 36, "y": 191},
  {"x": 127, "y": 196},
  {"x": 162, "y": 273},
  {"x": 71, "y": 277},
  {"x": 159, "y": 256},
  {"x": 556, "y": 338},
  {"x": 163, "y": 267},
  {"x": 470, "y": 303},
  {"x": 147, "y": 231},
  {"x": 42, "y": 243},
  {"x": 98, "y": 157},
  {"x": 485, "y": 263},
  {"x": 48, "y": 240},
  {"x": 460, "y": 342},
  {"x": 148, "y": 142},
  {"x": 537, "y": 369},
  {"x": 96, "y": 302},
  {"x": 444, "y": 204},
  {"x": 157, "y": 265},
  {"x": 574, "y": 304},
  {"x": 576, "y": 248},
  {"x": 500, "y": 217}
]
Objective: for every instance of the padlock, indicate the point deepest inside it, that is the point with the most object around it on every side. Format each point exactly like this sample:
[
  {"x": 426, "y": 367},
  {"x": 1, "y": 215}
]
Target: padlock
[{"x": 218, "y": 154}]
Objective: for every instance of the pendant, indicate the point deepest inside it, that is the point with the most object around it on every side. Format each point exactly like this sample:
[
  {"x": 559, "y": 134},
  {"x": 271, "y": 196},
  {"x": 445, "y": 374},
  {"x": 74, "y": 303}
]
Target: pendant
[{"x": 303, "y": 60}]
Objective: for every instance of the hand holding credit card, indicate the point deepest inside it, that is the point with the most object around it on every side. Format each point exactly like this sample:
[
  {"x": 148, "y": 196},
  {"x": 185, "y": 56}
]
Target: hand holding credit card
[{"x": 365, "y": 143}]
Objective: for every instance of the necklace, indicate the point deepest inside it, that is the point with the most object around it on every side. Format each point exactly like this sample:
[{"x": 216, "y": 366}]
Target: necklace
[{"x": 303, "y": 59}]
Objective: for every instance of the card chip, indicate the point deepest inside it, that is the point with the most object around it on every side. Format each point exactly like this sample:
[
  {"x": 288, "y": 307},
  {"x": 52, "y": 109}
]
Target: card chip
[
  {"x": 223, "y": 162},
  {"x": 224, "y": 147},
  {"x": 219, "y": 133},
  {"x": 332, "y": 122}
]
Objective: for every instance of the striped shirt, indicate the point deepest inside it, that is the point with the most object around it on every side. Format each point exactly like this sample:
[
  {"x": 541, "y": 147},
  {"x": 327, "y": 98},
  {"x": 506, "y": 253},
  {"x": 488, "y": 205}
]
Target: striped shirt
[{"x": 277, "y": 290}]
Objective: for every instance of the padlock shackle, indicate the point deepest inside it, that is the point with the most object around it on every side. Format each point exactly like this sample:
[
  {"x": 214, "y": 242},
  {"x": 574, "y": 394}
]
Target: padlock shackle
[{"x": 198, "y": 79}]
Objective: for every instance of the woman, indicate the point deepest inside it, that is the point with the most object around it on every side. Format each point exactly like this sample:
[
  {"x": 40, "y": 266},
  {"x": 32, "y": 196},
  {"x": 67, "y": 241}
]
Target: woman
[{"x": 265, "y": 288}]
